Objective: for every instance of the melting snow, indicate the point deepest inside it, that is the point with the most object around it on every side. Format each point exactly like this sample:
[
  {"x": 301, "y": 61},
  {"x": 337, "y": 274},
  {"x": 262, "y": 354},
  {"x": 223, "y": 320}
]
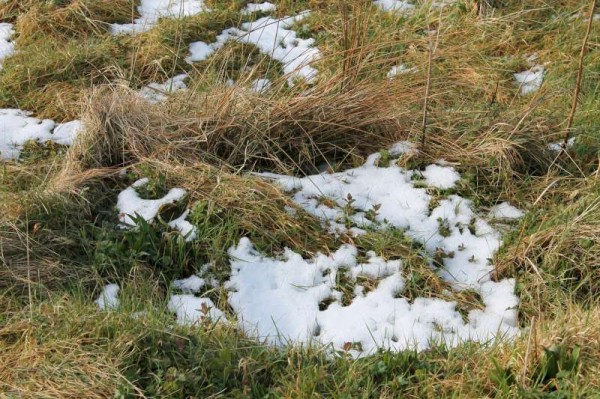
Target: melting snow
[
  {"x": 7, "y": 47},
  {"x": 394, "y": 5},
  {"x": 400, "y": 70},
  {"x": 193, "y": 310},
  {"x": 130, "y": 204},
  {"x": 108, "y": 298},
  {"x": 440, "y": 176},
  {"x": 531, "y": 80},
  {"x": 259, "y": 7},
  {"x": 18, "y": 127},
  {"x": 403, "y": 147},
  {"x": 505, "y": 211},
  {"x": 272, "y": 37},
  {"x": 261, "y": 85},
  {"x": 152, "y": 10},
  {"x": 278, "y": 299},
  {"x": 159, "y": 92},
  {"x": 184, "y": 227},
  {"x": 559, "y": 144},
  {"x": 190, "y": 285},
  {"x": 290, "y": 299}
]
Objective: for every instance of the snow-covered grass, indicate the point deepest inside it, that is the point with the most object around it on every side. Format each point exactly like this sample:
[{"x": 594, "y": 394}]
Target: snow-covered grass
[
  {"x": 189, "y": 311},
  {"x": 7, "y": 46},
  {"x": 273, "y": 37},
  {"x": 131, "y": 206},
  {"x": 531, "y": 80},
  {"x": 159, "y": 92},
  {"x": 19, "y": 127},
  {"x": 151, "y": 11}
]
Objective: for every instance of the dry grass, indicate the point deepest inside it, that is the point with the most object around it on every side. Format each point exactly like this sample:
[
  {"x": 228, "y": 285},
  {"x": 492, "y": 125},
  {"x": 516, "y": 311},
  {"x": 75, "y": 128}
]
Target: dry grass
[
  {"x": 560, "y": 250},
  {"x": 44, "y": 357},
  {"x": 239, "y": 129}
]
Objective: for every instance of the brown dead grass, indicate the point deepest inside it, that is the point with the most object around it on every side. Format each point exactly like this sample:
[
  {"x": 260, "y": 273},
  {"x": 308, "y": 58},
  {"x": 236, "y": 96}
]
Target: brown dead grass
[{"x": 44, "y": 357}]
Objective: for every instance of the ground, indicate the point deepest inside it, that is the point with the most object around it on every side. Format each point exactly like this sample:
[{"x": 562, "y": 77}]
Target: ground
[{"x": 264, "y": 162}]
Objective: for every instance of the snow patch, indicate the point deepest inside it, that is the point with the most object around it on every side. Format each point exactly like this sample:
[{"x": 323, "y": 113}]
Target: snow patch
[
  {"x": 185, "y": 228},
  {"x": 7, "y": 47},
  {"x": 530, "y": 80},
  {"x": 441, "y": 176},
  {"x": 505, "y": 211},
  {"x": 18, "y": 127},
  {"x": 152, "y": 10},
  {"x": 108, "y": 298},
  {"x": 272, "y": 37},
  {"x": 190, "y": 285},
  {"x": 191, "y": 310},
  {"x": 130, "y": 205},
  {"x": 403, "y": 147},
  {"x": 400, "y": 70},
  {"x": 558, "y": 146},
  {"x": 395, "y": 5},
  {"x": 259, "y": 7},
  {"x": 200, "y": 51},
  {"x": 280, "y": 300},
  {"x": 159, "y": 92},
  {"x": 261, "y": 85}
]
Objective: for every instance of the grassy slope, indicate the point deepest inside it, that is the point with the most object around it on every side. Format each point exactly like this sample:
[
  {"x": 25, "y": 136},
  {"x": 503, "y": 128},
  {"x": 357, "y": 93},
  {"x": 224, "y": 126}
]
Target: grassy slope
[{"x": 59, "y": 244}]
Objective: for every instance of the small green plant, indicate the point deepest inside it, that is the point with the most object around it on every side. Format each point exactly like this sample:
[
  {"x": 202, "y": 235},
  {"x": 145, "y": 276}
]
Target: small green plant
[{"x": 558, "y": 362}]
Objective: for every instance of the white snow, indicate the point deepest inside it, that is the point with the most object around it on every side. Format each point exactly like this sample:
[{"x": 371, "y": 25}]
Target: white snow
[
  {"x": 190, "y": 285},
  {"x": 530, "y": 80},
  {"x": 558, "y": 146},
  {"x": 130, "y": 204},
  {"x": 184, "y": 227},
  {"x": 192, "y": 310},
  {"x": 505, "y": 211},
  {"x": 152, "y": 10},
  {"x": 159, "y": 92},
  {"x": 394, "y": 5},
  {"x": 403, "y": 147},
  {"x": 108, "y": 298},
  {"x": 278, "y": 299},
  {"x": 200, "y": 51},
  {"x": 390, "y": 196},
  {"x": 443, "y": 3},
  {"x": 7, "y": 47},
  {"x": 259, "y": 7},
  {"x": 261, "y": 85},
  {"x": 441, "y": 176},
  {"x": 18, "y": 127},
  {"x": 272, "y": 37},
  {"x": 66, "y": 133},
  {"x": 400, "y": 70}
]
